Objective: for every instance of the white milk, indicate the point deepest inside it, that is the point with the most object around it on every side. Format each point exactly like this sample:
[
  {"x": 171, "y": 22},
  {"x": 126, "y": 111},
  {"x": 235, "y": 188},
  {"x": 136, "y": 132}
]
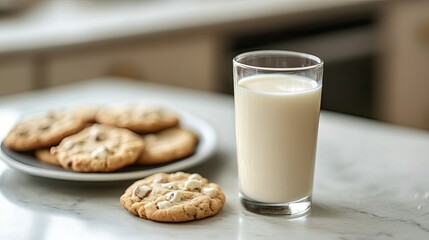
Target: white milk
[{"x": 277, "y": 118}]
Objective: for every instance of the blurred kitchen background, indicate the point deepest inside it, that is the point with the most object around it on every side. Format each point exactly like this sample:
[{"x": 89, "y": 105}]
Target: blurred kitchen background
[{"x": 376, "y": 52}]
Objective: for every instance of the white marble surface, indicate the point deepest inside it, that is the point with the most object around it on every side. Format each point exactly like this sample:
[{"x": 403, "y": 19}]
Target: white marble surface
[{"x": 371, "y": 180}]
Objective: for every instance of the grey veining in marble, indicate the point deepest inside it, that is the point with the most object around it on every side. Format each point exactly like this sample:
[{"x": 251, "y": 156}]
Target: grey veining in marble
[{"x": 371, "y": 180}]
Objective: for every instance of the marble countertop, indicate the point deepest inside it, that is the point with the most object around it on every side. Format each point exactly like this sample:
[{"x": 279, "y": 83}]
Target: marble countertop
[
  {"x": 51, "y": 24},
  {"x": 371, "y": 179}
]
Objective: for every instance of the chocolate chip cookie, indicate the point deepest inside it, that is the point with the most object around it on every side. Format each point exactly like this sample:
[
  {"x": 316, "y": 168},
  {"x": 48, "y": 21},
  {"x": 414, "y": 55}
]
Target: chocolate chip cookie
[
  {"x": 138, "y": 118},
  {"x": 176, "y": 197},
  {"x": 45, "y": 156},
  {"x": 99, "y": 148},
  {"x": 85, "y": 113},
  {"x": 43, "y": 131},
  {"x": 168, "y": 145}
]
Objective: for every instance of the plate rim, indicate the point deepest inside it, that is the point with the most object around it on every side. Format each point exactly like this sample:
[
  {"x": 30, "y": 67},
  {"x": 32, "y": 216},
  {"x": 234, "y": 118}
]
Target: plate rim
[{"x": 206, "y": 148}]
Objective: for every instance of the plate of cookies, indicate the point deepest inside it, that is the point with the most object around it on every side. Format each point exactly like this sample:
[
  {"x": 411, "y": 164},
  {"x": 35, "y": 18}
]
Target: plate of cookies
[{"x": 108, "y": 143}]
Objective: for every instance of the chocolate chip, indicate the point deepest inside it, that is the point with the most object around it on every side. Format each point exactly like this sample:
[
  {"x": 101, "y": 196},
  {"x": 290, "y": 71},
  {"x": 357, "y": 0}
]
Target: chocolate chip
[
  {"x": 44, "y": 127},
  {"x": 22, "y": 134}
]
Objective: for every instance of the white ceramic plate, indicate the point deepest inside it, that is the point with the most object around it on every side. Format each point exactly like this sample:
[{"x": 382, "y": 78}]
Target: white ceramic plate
[{"x": 27, "y": 163}]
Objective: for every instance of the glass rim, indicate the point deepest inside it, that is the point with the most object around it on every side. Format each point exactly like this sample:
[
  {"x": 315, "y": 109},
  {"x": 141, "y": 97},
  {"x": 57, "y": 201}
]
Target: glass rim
[{"x": 319, "y": 61}]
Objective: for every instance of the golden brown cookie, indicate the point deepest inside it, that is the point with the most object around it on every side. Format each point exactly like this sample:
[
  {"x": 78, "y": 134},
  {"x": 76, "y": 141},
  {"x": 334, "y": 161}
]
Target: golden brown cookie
[
  {"x": 86, "y": 113},
  {"x": 45, "y": 156},
  {"x": 138, "y": 118},
  {"x": 99, "y": 148},
  {"x": 176, "y": 197},
  {"x": 167, "y": 145},
  {"x": 43, "y": 131}
]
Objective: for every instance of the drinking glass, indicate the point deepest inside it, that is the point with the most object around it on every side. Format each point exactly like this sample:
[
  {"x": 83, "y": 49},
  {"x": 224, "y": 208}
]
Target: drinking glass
[{"x": 277, "y": 98}]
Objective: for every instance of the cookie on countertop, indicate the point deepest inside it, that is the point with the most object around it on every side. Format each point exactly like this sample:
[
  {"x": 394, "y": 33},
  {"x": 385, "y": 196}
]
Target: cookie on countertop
[
  {"x": 176, "y": 197},
  {"x": 138, "y": 118},
  {"x": 43, "y": 131},
  {"x": 168, "y": 145},
  {"x": 99, "y": 148},
  {"x": 45, "y": 156}
]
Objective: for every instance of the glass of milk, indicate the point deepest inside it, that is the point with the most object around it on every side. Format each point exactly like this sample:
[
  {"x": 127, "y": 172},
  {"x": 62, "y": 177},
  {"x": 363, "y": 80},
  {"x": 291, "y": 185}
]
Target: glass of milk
[{"x": 277, "y": 104}]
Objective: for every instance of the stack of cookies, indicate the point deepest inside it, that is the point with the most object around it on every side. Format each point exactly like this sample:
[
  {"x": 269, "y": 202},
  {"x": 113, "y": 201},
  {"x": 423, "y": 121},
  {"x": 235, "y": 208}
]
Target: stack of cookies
[{"x": 92, "y": 139}]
